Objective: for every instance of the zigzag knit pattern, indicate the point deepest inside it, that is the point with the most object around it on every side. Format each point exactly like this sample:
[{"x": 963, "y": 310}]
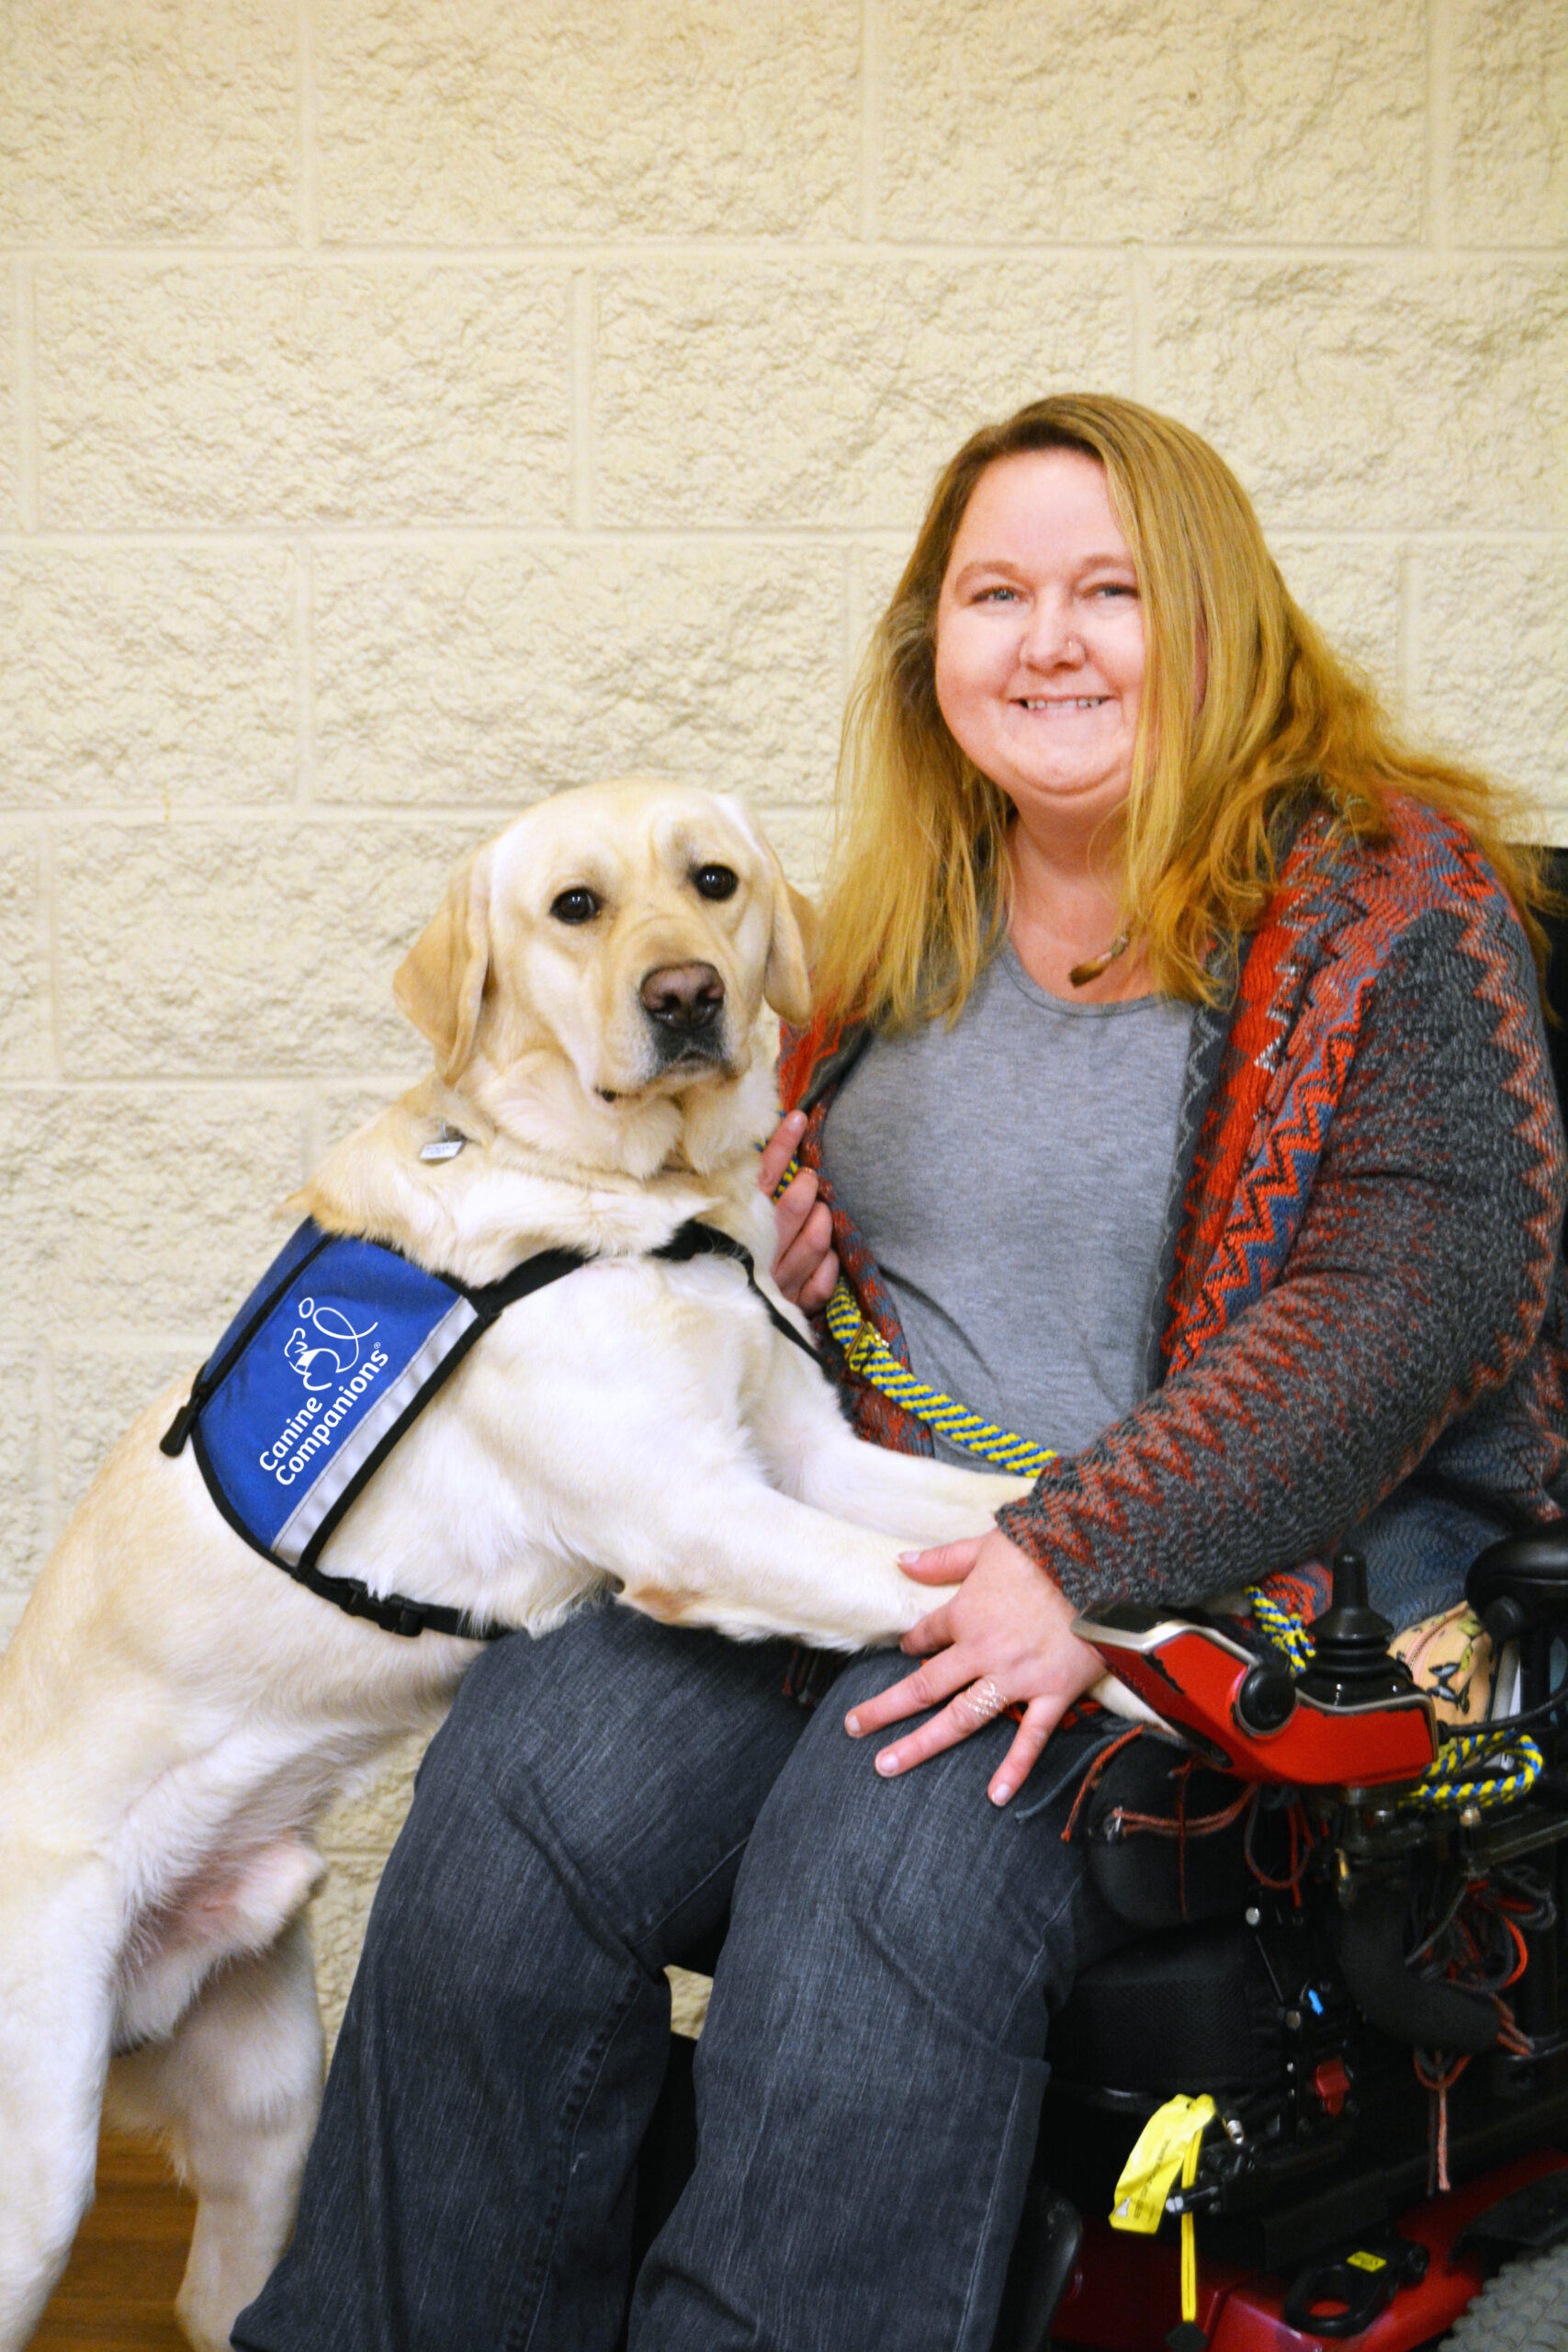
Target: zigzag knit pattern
[
  {"x": 1366, "y": 1321},
  {"x": 1332, "y": 927}
]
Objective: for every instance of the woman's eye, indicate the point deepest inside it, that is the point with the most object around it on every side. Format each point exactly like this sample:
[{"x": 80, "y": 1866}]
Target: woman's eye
[
  {"x": 715, "y": 881},
  {"x": 996, "y": 595},
  {"x": 577, "y": 905}
]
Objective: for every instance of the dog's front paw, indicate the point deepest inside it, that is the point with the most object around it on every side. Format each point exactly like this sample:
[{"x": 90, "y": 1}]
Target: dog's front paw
[{"x": 1116, "y": 1698}]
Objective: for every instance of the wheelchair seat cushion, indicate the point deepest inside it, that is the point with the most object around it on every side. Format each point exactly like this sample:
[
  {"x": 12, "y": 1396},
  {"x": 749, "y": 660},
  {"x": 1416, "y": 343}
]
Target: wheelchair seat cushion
[{"x": 1191, "y": 2007}]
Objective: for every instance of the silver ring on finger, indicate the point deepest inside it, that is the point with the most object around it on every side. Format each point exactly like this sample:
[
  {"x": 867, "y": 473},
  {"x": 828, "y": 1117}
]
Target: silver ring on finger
[{"x": 984, "y": 1700}]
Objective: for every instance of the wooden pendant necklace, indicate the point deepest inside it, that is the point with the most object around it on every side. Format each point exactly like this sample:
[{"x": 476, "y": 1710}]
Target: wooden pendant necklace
[{"x": 1081, "y": 974}]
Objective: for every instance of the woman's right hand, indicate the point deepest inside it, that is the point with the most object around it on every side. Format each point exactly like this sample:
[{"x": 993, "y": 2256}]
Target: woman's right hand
[{"x": 805, "y": 1267}]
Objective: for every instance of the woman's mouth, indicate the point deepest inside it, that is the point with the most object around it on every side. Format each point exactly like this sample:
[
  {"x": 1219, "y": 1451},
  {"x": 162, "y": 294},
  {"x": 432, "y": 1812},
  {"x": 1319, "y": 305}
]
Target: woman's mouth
[{"x": 1062, "y": 702}]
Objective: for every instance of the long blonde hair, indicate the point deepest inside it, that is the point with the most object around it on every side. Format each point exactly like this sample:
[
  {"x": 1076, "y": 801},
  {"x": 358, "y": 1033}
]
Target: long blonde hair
[{"x": 917, "y": 896}]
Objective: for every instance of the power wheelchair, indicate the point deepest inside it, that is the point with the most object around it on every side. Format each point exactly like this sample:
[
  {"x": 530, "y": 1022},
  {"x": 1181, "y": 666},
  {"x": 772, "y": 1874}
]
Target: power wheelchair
[{"x": 1367, "y": 1982}]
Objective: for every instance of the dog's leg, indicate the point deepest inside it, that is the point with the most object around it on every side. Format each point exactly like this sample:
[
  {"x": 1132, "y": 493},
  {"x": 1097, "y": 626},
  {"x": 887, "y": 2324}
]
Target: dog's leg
[
  {"x": 723, "y": 1549},
  {"x": 814, "y": 1552},
  {"x": 56, "y": 1954},
  {"x": 812, "y": 1454},
  {"x": 233, "y": 2094}
]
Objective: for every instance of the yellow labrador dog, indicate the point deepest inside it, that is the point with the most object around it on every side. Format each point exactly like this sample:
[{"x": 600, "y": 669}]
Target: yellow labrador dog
[{"x": 175, "y": 1713}]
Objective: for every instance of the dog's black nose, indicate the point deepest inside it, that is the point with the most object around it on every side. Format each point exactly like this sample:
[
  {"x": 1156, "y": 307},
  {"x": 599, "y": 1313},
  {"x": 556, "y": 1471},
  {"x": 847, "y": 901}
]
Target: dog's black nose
[{"x": 684, "y": 997}]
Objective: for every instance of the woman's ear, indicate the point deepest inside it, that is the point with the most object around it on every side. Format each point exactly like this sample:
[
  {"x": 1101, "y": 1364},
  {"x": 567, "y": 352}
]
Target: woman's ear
[
  {"x": 787, "y": 979},
  {"x": 440, "y": 982}
]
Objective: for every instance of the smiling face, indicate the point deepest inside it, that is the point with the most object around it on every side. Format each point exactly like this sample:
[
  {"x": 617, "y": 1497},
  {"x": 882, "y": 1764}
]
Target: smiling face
[{"x": 1040, "y": 639}]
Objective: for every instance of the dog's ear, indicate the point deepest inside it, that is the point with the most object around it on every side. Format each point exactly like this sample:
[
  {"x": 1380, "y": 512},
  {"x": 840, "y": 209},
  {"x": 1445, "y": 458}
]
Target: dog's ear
[
  {"x": 440, "y": 982},
  {"x": 786, "y": 979}
]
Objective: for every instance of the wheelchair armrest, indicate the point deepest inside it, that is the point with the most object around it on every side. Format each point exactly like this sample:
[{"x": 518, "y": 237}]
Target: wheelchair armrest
[
  {"x": 1521, "y": 1583},
  {"x": 1207, "y": 1686}
]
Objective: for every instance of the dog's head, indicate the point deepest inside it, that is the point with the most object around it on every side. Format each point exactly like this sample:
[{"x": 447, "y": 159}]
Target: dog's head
[{"x": 614, "y": 945}]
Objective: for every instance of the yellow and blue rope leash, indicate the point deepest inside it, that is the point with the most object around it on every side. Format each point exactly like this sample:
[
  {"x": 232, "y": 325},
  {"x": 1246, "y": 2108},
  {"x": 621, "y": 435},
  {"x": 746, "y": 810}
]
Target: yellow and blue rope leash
[
  {"x": 1497, "y": 1777},
  {"x": 868, "y": 1354},
  {"x": 1471, "y": 1768},
  {"x": 1288, "y": 1633}
]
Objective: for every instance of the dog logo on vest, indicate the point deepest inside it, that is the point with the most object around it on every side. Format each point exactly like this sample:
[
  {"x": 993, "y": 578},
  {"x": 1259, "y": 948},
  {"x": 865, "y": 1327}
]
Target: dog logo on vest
[{"x": 337, "y": 1333}]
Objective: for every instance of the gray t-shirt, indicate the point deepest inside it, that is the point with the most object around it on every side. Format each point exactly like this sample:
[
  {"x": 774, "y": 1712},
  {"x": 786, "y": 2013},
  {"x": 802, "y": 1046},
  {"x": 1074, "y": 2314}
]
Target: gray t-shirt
[{"x": 1010, "y": 1176}]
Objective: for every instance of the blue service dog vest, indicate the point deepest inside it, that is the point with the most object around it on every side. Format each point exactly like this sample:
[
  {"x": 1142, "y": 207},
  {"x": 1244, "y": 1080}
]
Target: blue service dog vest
[{"x": 337, "y": 1349}]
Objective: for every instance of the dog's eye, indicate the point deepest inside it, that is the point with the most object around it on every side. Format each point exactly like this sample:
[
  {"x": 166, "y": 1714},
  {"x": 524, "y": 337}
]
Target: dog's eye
[
  {"x": 716, "y": 881},
  {"x": 580, "y": 905}
]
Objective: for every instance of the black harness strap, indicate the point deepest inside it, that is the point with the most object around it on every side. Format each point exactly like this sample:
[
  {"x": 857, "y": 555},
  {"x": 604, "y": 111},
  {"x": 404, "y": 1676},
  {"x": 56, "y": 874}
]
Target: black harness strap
[
  {"x": 390, "y": 1611},
  {"x": 694, "y": 1241}
]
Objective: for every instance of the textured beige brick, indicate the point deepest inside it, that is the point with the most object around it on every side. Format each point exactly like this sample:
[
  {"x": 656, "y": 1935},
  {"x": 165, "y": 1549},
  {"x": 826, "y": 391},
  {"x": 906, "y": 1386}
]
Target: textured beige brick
[
  {"x": 367, "y": 1820},
  {"x": 1350, "y": 589},
  {"x": 481, "y": 121},
  {"x": 460, "y": 674},
  {"x": 1370, "y": 393},
  {"x": 224, "y": 394},
  {"x": 804, "y": 393},
  {"x": 1187, "y": 120},
  {"x": 10, "y": 475},
  {"x": 22, "y": 1516},
  {"x": 266, "y": 949},
  {"x": 1491, "y": 671},
  {"x": 337, "y": 1929},
  {"x": 356, "y": 1838},
  {"x": 147, "y": 673},
  {"x": 98, "y": 1392},
  {"x": 800, "y": 837},
  {"x": 1508, "y": 75},
  {"x": 688, "y": 2001},
  {"x": 24, "y": 971},
  {"x": 337, "y": 1110},
  {"x": 124, "y": 119},
  {"x": 877, "y": 565},
  {"x": 141, "y": 1214}
]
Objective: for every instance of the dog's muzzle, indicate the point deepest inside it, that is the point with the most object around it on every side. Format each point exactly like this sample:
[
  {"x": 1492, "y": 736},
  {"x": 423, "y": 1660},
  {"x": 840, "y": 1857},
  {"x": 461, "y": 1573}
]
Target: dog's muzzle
[{"x": 684, "y": 1007}]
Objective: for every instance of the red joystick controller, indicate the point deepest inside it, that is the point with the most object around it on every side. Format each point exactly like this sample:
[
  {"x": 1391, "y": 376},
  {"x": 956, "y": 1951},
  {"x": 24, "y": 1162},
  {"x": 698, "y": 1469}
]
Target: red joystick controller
[{"x": 1354, "y": 1719}]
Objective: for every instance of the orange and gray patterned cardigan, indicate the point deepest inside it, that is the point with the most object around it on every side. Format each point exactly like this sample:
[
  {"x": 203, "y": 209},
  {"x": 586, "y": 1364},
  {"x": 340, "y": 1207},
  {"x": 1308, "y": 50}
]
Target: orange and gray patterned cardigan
[{"x": 1364, "y": 1327}]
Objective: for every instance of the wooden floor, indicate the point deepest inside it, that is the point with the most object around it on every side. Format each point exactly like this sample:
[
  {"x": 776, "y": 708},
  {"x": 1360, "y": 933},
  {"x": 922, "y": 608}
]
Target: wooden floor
[{"x": 117, "y": 2295}]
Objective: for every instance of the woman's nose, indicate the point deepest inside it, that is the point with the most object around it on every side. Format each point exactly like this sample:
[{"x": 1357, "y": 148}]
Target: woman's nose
[{"x": 1048, "y": 641}]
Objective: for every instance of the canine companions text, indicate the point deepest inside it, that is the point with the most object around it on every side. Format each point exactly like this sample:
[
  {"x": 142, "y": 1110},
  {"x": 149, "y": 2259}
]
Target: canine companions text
[{"x": 176, "y": 1712}]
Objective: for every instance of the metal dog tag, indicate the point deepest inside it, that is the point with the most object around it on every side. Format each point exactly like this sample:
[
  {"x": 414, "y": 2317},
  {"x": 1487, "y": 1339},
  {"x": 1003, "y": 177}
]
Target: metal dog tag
[{"x": 445, "y": 1145}]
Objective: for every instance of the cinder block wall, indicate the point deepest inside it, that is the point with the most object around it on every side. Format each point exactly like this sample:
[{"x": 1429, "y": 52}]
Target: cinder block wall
[{"x": 409, "y": 406}]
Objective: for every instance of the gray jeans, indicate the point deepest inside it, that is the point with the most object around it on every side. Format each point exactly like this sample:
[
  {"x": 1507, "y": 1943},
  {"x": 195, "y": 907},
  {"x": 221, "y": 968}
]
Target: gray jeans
[{"x": 869, "y": 2080}]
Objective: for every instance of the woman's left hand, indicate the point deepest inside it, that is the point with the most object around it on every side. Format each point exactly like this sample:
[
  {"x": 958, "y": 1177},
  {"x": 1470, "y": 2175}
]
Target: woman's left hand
[{"x": 1003, "y": 1636}]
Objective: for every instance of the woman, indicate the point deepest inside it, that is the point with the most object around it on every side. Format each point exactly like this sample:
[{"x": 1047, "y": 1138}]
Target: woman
[{"x": 1178, "y": 1094}]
